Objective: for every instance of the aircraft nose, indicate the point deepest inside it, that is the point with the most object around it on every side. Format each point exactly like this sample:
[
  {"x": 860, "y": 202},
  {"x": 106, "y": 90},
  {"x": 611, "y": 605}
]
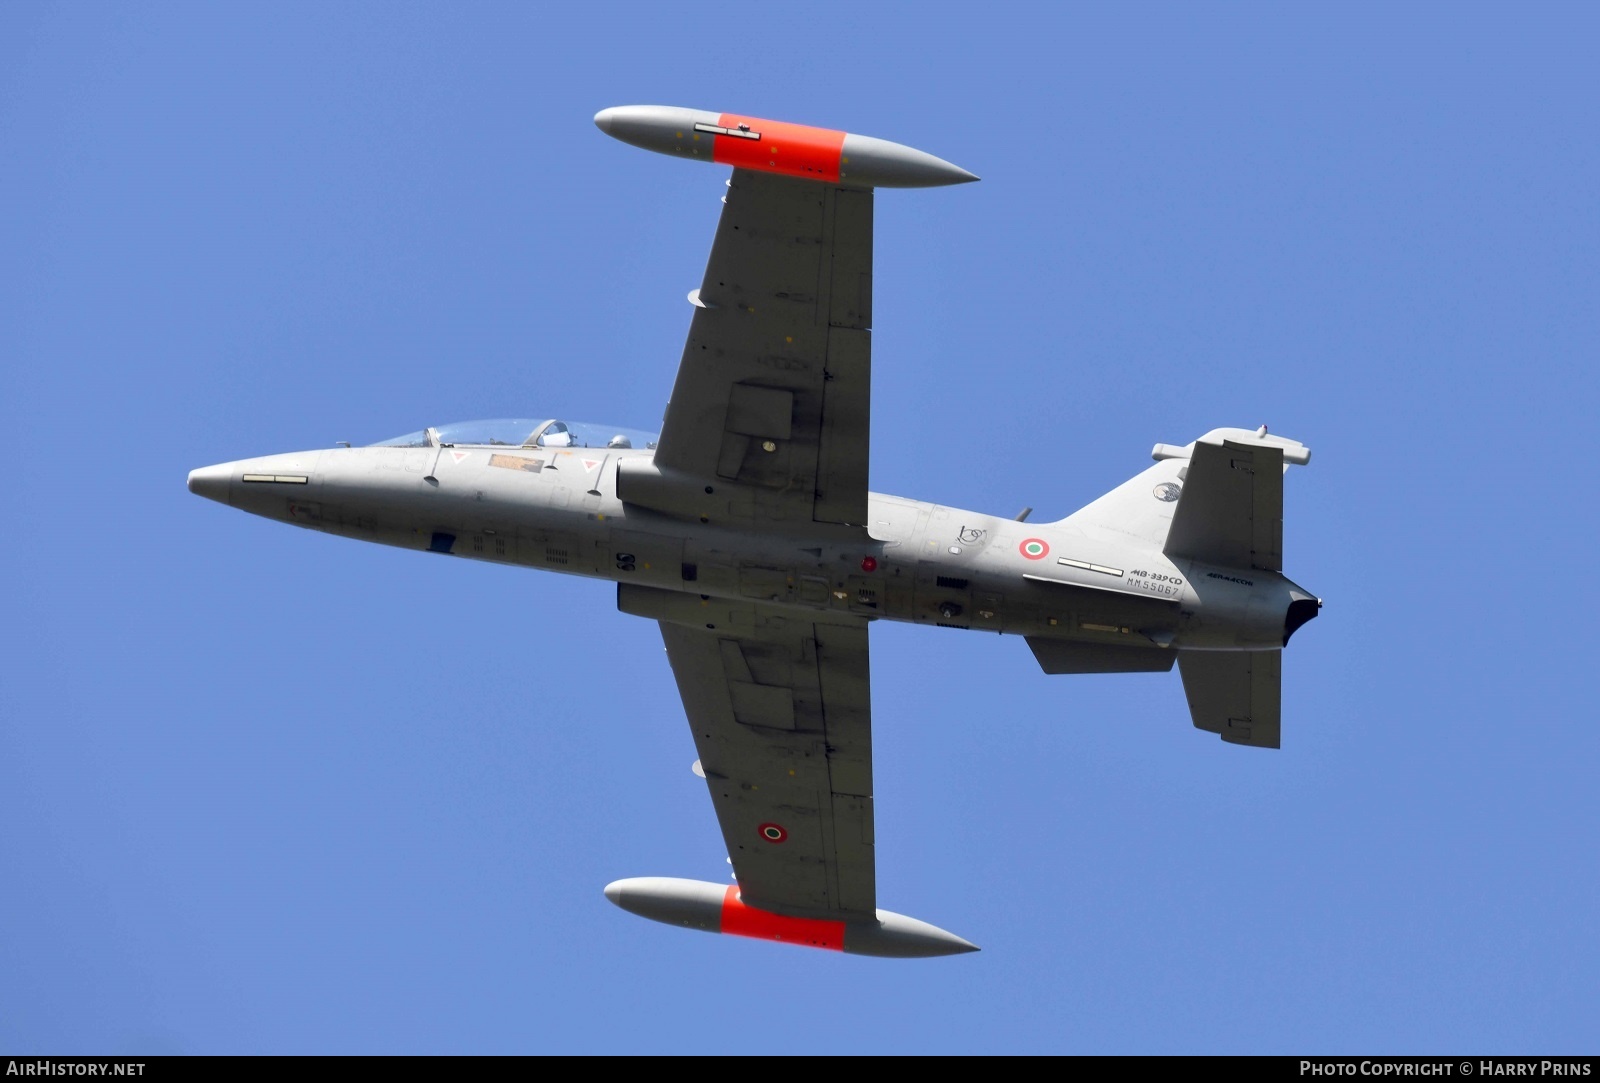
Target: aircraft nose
[{"x": 212, "y": 482}]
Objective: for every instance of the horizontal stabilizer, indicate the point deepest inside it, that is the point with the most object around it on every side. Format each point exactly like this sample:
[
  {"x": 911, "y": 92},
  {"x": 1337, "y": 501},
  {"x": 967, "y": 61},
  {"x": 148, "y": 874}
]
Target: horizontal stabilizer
[
  {"x": 1230, "y": 511},
  {"x": 1235, "y": 694},
  {"x": 1059, "y": 656}
]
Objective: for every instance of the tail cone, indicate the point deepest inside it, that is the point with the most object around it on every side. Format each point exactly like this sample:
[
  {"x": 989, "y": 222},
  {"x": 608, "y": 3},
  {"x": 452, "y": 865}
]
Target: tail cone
[{"x": 1301, "y": 610}]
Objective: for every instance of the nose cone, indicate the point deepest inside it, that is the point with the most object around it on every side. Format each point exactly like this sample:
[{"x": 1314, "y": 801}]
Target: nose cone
[{"x": 212, "y": 482}]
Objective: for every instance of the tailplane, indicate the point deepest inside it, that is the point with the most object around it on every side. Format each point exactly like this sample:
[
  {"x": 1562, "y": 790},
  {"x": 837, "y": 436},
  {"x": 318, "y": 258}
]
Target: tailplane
[
  {"x": 1237, "y": 695},
  {"x": 1230, "y": 508}
]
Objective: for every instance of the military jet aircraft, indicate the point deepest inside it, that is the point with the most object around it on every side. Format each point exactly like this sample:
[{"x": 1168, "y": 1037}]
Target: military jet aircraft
[{"x": 746, "y": 529}]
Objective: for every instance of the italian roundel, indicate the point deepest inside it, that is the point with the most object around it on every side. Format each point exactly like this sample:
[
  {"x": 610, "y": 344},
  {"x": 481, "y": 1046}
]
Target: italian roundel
[{"x": 1034, "y": 548}]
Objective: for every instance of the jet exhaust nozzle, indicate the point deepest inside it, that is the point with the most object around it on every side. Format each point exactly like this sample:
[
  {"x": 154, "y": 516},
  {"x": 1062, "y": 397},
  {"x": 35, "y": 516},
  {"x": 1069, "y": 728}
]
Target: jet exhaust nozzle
[{"x": 1302, "y": 610}]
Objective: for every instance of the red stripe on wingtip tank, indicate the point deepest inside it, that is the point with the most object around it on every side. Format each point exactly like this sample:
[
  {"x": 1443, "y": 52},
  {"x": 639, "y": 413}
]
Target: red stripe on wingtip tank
[
  {"x": 795, "y": 150},
  {"x": 741, "y": 920}
]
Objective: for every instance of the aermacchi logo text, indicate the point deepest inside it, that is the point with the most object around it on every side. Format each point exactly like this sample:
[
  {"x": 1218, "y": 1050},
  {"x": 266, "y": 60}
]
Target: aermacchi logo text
[
  {"x": 1034, "y": 548},
  {"x": 1231, "y": 579}
]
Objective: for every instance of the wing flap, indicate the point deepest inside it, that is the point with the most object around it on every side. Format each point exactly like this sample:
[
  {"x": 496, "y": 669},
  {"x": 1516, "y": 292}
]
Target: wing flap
[{"x": 841, "y": 494}]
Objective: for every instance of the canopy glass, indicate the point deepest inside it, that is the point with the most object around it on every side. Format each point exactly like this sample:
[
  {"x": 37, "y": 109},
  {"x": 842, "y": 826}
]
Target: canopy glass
[{"x": 524, "y": 432}]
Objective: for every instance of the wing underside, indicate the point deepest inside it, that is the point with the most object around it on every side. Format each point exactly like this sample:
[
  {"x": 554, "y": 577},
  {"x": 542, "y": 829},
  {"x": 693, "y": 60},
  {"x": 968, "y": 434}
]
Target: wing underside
[
  {"x": 773, "y": 391},
  {"x": 780, "y": 709}
]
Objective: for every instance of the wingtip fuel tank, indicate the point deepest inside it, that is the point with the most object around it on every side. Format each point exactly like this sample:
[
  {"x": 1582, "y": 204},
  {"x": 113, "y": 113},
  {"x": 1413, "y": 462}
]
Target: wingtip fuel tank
[
  {"x": 774, "y": 146},
  {"x": 717, "y": 908}
]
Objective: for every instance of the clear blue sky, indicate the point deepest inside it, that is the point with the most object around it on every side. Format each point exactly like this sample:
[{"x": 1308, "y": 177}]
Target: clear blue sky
[{"x": 263, "y": 790}]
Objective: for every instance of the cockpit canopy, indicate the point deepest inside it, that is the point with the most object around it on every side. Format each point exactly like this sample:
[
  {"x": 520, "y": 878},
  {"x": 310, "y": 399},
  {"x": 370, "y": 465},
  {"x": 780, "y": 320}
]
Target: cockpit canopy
[{"x": 524, "y": 432}]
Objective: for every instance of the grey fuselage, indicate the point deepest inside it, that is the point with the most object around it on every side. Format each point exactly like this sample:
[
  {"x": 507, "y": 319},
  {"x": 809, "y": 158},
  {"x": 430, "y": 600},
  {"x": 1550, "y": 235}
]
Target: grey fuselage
[{"x": 921, "y": 563}]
